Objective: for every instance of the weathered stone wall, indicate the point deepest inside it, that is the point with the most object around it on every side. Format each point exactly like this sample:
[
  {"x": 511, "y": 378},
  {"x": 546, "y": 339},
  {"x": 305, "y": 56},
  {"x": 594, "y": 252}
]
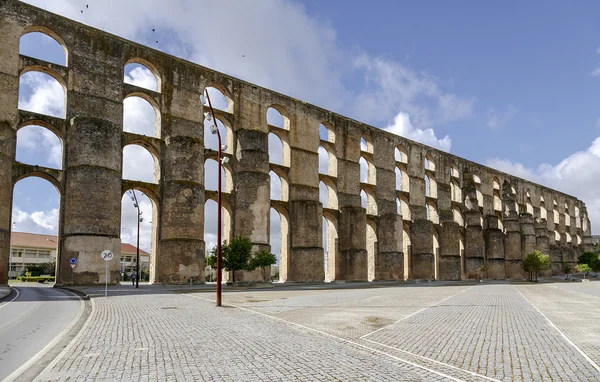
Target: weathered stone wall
[{"x": 468, "y": 217}]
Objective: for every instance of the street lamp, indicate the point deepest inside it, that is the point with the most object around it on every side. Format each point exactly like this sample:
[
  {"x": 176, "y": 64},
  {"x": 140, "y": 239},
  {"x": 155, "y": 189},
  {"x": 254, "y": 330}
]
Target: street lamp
[
  {"x": 139, "y": 220},
  {"x": 210, "y": 115}
]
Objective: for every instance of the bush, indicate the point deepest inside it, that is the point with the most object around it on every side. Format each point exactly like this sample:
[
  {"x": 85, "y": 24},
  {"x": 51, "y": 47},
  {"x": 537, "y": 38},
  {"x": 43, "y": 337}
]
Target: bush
[
  {"x": 39, "y": 279},
  {"x": 584, "y": 268}
]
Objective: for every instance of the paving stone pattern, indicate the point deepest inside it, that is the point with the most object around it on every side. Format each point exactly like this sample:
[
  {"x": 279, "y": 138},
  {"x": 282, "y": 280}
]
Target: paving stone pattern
[{"x": 425, "y": 332}]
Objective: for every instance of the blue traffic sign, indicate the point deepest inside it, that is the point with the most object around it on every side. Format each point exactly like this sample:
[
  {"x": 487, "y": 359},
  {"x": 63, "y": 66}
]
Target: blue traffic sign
[{"x": 73, "y": 260}]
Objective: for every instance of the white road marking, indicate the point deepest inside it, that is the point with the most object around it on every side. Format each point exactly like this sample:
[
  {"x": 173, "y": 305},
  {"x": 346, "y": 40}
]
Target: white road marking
[
  {"x": 337, "y": 338},
  {"x": 15, "y": 374},
  {"x": 13, "y": 299},
  {"x": 561, "y": 333},
  {"x": 417, "y": 312}
]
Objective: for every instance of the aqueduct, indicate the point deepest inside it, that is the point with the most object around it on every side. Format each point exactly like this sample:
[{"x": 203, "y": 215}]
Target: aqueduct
[{"x": 395, "y": 209}]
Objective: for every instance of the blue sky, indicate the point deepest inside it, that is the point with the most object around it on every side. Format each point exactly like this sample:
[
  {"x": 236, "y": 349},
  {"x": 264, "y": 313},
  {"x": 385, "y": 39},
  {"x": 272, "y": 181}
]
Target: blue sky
[{"x": 508, "y": 84}]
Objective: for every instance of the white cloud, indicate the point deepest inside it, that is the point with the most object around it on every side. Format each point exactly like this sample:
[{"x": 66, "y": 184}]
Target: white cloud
[
  {"x": 576, "y": 175},
  {"x": 139, "y": 116},
  {"x": 595, "y": 72},
  {"x": 43, "y": 222},
  {"x": 391, "y": 87},
  {"x": 138, "y": 164},
  {"x": 46, "y": 95},
  {"x": 142, "y": 77},
  {"x": 402, "y": 126},
  {"x": 496, "y": 120},
  {"x": 39, "y": 146}
]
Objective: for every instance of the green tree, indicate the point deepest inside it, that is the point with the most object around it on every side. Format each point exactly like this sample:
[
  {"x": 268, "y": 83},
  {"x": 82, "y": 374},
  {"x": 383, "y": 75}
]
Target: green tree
[
  {"x": 235, "y": 255},
  {"x": 566, "y": 268},
  {"x": 262, "y": 260},
  {"x": 584, "y": 268},
  {"x": 591, "y": 259},
  {"x": 534, "y": 262}
]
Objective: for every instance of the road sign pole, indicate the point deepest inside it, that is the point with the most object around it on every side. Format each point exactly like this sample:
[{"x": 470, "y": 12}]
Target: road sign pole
[{"x": 106, "y": 256}]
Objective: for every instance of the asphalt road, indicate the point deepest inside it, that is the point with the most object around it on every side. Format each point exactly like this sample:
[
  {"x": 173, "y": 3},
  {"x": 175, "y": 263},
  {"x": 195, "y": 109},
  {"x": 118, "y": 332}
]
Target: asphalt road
[{"x": 29, "y": 323}]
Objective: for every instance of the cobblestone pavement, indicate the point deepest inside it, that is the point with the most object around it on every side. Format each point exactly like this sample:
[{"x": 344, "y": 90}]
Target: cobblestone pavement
[{"x": 423, "y": 332}]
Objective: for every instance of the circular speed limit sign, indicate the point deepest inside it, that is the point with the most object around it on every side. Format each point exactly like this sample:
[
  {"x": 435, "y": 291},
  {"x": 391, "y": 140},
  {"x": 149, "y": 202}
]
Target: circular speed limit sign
[{"x": 106, "y": 255}]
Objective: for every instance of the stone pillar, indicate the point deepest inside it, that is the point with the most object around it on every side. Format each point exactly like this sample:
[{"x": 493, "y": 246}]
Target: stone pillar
[
  {"x": 93, "y": 178},
  {"x": 306, "y": 257},
  {"x": 474, "y": 256},
  {"x": 542, "y": 244},
  {"x": 449, "y": 259},
  {"x": 353, "y": 262},
  {"x": 252, "y": 194},
  {"x": 494, "y": 249},
  {"x": 422, "y": 266},
  {"x": 474, "y": 244},
  {"x": 512, "y": 247},
  {"x": 389, "y": 259},
  {"x": 9, "y": 96},
  {"x": 528, "y": 238}
]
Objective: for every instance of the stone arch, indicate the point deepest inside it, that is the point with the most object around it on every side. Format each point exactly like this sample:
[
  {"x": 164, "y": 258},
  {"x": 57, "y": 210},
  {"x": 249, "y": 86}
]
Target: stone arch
[
  {"x": 48, "y": 33},
  {"x": 436, "y": 252},
  {"x": 210, "y": 229},
  {"x": 211, "y": 140},
  {"x": 458, "y": 216},
  {"x": 478, "y": 193},
  {"x": 368, "y": 201},
  {"x": 430, "y": 186},
  {"x": 556, "y": 236},
  {"x": 497, "y": 201},
  {"x": 432, "y": 213},
  {"x": 455, "y": 191},
  {"x": 142, "y": 73},
  {"x": 327, "y": 162},
  {"x": 496, "y": 183},
  {"x": 371, "y": 236},
  {"x": 46, "y": 221},
  {"x": 366, "y": 145},
  {"x": 404, "y": 208},
  {"x": 328, "y": 194},
  {"x": 330, "y": 245},
  {"x": 31, "y": 42},
  {"x": 528, "y": 205},
  {"x": 279, "y": 148},
  {"x": 406, "y": 249},
  {"x": 278, "y": 117},
  {"x": 282, "y": 236},
  {"x": 577, "y": 218},
  {"x": 400, "y": 154},
  {"x": 402, "y": 179},
  {"x": 141, "y": 115},
  {"x": 429, "y": 163},
  {"x": 367, "y": 170},
  {"x": 42, "y": 91},
  {"x": 149, "y": 222},
  {"x": 556, "y": 216},
  {"x": 220, "y": 97},
  {"x": 326, "y": 132},
  {"x": 136, "y": 159},
  {"x": 567, "y": 216},
  {"x": 279, "y": 185},
  {"x": 39, "y": 138}
]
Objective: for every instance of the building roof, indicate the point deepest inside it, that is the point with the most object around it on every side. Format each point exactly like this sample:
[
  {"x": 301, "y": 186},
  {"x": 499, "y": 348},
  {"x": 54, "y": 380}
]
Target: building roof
[{"x": 36, "y": 240}]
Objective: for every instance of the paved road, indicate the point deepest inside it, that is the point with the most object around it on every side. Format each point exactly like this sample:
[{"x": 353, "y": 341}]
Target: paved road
[
  {"x": 31, "y": 321},
  {"x": 427, "y": 332}
]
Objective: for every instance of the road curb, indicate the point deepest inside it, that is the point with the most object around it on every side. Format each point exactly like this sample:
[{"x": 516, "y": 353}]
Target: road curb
[
  {"x": 79, "y": 293},
  {"x": 9, "y": 295}
]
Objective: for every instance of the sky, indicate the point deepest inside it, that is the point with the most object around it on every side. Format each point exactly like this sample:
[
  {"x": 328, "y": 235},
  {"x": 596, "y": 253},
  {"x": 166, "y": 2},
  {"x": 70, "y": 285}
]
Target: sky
[{"x": 512, "y": 85}]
